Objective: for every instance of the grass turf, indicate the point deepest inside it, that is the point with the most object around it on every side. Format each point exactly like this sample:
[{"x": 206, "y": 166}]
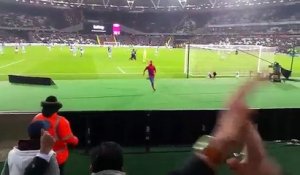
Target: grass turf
[
  {"x": 61, "y": 64},
  {"x": 136, "y": 94},
  {"x": 95, "y": 82}
]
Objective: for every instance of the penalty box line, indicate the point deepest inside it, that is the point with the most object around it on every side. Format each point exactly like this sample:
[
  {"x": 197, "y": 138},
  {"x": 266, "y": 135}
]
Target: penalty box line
[
  {"x": 12, "y": 63},
  {"x": 121, "y": 70}
]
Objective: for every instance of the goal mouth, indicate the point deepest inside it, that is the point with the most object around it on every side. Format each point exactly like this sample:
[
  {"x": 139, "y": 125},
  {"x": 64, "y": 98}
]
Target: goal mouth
[
  {"x": 228, "y": 60},
  {"x": 228, "y": 74}
]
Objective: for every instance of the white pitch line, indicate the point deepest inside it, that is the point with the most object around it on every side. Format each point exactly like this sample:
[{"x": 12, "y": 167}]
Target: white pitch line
[
  {"x": 16, "y": 62},
  {"x": 121, "y": 70}
]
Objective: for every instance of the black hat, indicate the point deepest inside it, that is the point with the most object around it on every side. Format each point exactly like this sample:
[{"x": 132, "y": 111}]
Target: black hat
[
  {"x": 34, "y": 129},
  {"x": 51, "y": 101}
]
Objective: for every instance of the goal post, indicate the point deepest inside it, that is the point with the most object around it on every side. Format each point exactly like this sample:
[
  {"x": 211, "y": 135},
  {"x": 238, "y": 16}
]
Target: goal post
[
  {"x": 227, "y": 60},
  {"x": 187, "y": 60}
]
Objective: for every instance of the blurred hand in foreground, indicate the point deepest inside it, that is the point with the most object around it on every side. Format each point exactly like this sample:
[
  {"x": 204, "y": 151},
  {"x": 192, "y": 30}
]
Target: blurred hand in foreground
[
  {"x": 257, "y": 161},
  {"x": 229, "y": 132},
  {"x": 47, "y": 142}
]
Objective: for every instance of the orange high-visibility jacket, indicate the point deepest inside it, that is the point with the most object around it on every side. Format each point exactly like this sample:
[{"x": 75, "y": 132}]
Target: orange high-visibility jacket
[{"x": 60, "y": 129}]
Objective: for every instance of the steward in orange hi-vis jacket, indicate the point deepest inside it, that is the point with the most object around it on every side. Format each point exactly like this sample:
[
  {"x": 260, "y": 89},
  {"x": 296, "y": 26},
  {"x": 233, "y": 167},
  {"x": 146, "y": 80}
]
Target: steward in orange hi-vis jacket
[{"x": 59, "y": 128}]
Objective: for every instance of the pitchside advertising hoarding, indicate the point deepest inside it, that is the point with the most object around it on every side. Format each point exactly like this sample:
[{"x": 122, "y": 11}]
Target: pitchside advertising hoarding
[
  {"x": 98, "y": 28},
  {"x": 108, "y": 29}
]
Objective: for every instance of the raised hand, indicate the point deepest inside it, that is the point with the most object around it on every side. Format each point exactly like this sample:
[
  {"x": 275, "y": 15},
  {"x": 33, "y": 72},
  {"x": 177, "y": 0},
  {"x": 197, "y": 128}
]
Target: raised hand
[
  {"x": 257, "y": 161},
  {"x": 47, "y": 142}
]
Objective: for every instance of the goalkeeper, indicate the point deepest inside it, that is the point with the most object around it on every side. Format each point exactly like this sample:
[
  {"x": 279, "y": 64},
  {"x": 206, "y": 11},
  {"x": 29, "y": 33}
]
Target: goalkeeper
[{"x": 275, "y": 76}]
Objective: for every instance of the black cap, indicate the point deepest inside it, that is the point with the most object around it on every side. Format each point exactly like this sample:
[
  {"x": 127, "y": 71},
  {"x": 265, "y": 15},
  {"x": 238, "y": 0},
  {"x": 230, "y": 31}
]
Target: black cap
[{"x": 34, "y": 129}]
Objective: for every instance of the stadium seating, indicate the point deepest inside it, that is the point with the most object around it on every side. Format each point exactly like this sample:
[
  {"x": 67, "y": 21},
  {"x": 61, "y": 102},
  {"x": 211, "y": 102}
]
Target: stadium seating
[{"x": 267, "y": 25}]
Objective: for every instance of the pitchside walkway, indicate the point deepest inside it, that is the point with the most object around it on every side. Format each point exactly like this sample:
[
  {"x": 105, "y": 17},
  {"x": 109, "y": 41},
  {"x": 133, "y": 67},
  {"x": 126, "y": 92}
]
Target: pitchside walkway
[{"x": 136, "y": 94}]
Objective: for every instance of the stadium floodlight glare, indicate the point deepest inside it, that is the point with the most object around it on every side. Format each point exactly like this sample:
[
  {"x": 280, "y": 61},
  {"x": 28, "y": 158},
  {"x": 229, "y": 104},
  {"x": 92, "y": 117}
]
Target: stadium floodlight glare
[
  {"x": 182, "y": 3},
  {"x": 155, "y": 4},
  {"x": 79, "y": 2},
  {"x": 213, "y": 3},
  {"x": 105, "y": 3},
  {"x": 130, "y": 3}
]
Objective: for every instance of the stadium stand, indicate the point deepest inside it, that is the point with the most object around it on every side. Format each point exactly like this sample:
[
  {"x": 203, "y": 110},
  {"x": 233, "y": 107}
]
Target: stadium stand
[
  {"x": 15, "y": 20},
  {"x": 54, "y": 37},
  {"x": 143, "y": 40},
  {"x": 283, "y": 42},
  {"x": 263, "y": 24},
  {"x": 260, "y": 15},
  {"x": 150, "y": 5},
  {"x": 33, "y": 18}
]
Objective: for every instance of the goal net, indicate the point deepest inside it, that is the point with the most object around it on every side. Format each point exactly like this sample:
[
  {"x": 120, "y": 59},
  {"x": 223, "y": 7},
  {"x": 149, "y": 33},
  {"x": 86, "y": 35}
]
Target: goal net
[
  {"x": 111, "y": 43},
  {"x": 228, "y": 60}
]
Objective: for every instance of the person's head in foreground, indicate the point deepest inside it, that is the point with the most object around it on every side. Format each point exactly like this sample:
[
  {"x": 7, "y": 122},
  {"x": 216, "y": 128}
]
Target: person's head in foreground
[
  {"x": 34, "y": 129},
  {"x": 107, "y": 158}
]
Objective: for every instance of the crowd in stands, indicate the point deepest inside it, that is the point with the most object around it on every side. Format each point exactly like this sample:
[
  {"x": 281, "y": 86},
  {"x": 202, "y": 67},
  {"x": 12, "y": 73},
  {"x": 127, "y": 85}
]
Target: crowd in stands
[
  {"x": 33, "y": 18},
  {"x": 180, "y": 22},
  {"x": 260, "y": 20},
  {"x": 283, "y": 42},
  {"x": 143, "y": 40},
  {"x": 17, "y": 20},
  {"x": 12, "y": 36},
  {"x": 73, "y": 17},
  {"x": 256, "y": 29},
  {"x": 64, "y": 38},
  {"x": 143, "y": 22},
  {"x": 277, "y": 14},
  {"x": 240, "y": 26}
]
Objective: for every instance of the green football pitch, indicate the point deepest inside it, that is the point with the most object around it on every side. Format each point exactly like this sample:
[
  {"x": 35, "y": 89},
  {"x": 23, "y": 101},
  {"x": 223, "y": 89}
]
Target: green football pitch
[{"x": 96, "y": 82}]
